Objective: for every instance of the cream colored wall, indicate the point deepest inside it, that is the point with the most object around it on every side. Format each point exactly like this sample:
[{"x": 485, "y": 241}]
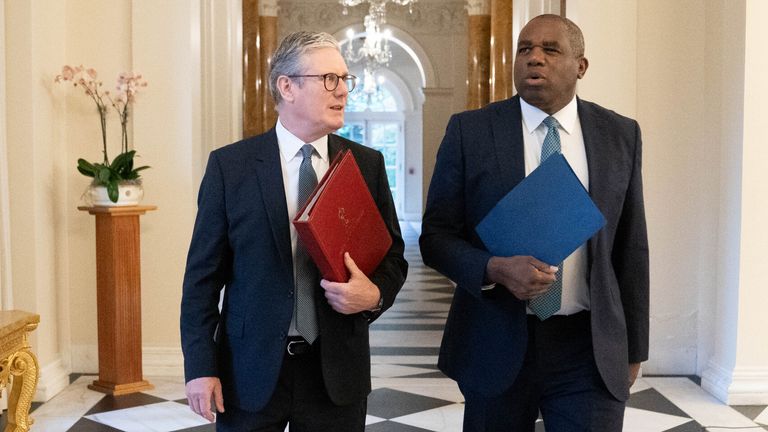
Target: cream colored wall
[
  {"x": 647, "y": 63},
  {"x": 610, "y": 33},
  {"x": 682, "y": 173},
  {"x": 698, "y": 91},
  {"x": 160, "y": 40},
  {"x": 51, "y": 125},
  {"x": 6, "y": 293},
  {"x": 38, "y": 180},
  {"x": 109, "y": 54}
]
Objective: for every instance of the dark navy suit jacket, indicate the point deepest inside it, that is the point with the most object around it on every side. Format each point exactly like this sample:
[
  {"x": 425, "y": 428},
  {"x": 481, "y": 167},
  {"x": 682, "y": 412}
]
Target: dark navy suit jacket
[
  {"x": 479, "y": 161},
  {"x": 241, "y": 240}
]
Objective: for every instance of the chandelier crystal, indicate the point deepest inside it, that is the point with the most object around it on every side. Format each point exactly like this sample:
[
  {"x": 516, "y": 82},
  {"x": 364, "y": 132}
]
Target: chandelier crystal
[{"x": 374, "y": 52}]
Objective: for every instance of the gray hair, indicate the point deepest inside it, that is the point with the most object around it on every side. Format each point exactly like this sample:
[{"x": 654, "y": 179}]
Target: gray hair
[
  {"x": 289, "y": 56},
  {"x": 572, "y": 31}
]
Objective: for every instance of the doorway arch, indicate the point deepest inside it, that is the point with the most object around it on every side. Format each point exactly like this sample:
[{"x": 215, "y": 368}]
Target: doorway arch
[{"x": 408, "y": 74}]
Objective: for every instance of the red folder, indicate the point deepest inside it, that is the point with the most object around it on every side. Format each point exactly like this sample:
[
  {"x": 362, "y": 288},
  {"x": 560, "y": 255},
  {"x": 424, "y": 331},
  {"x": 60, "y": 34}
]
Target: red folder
[{"x": 341, "y": 216}]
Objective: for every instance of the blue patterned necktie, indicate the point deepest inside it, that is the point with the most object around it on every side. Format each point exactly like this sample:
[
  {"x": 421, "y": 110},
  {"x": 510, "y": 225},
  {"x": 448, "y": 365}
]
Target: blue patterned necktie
[
  {"x": 307, "y": 278},
  {"x": 547, "y": 304}
]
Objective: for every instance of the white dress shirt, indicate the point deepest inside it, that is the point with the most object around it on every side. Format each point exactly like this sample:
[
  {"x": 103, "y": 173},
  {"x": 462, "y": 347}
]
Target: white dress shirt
[
  {"x": 575, "y": 290},
  {"x": 290, "y": 163}
]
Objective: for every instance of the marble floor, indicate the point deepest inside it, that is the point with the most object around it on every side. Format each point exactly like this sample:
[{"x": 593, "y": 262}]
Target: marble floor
[{"x": 409, "y": 393}]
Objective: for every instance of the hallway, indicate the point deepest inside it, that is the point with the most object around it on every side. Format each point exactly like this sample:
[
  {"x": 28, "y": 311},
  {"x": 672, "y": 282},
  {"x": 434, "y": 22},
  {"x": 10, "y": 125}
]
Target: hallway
[{"x": 410, "y": 394}]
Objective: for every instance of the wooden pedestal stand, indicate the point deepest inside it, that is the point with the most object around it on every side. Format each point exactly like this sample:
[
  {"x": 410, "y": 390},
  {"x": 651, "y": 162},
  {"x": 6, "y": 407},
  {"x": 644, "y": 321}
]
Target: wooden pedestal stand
[{"x": 118, "y": 295}]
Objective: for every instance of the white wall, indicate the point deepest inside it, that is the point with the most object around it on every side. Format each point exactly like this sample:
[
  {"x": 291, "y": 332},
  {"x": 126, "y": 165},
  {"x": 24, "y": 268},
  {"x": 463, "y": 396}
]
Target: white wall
[
  {"x": 752, "y": 294},
  {"x": 682, "y": 172}
]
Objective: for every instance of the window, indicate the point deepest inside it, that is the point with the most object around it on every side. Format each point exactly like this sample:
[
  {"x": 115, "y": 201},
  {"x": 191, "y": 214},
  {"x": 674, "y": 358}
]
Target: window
[{"x": 376, "y": 121}]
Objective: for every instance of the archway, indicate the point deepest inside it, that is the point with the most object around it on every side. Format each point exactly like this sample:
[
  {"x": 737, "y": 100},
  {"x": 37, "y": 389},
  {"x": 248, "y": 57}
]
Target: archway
[{"x": 397, "y": 133}]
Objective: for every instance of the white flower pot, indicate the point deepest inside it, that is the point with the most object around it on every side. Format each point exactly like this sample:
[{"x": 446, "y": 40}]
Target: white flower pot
[{"x": 129, "y": 194}]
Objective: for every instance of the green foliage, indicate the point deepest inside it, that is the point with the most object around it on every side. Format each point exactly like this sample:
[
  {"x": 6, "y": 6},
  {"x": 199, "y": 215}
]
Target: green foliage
[{"x": 111, "y": 174}]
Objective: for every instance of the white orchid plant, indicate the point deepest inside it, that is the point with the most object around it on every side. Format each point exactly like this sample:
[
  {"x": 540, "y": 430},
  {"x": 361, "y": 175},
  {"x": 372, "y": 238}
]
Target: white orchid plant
[{"x": 106, "y": 173}]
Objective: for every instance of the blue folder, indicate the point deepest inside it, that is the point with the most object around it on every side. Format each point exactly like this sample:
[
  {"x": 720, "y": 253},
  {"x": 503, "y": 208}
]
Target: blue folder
[{"x": 548, "y": 215}]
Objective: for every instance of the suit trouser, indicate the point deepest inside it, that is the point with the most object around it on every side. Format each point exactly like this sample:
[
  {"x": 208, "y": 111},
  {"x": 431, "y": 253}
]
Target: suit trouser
[
  {"x": 559, "y": 379},
  {"x": 300, "y": 399}
]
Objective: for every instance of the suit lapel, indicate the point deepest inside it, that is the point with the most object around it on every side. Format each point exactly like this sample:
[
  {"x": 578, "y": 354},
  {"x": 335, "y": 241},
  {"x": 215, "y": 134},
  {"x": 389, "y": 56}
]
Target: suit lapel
[
  {"x": 508, "y": 142},
  {"x": 334, "y": 147},
  {"x": 597, "y": 162},
  {"x": 270, "y": 178}
]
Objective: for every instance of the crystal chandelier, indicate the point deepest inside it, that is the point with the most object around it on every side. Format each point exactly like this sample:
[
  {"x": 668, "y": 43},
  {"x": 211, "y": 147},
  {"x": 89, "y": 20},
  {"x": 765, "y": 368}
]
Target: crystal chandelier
[{"x": 374, "y": 53}]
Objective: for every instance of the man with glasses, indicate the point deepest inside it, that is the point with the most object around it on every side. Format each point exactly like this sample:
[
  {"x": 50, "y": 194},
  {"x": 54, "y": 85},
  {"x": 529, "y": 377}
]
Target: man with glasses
[{"x": 285, "y": 347}]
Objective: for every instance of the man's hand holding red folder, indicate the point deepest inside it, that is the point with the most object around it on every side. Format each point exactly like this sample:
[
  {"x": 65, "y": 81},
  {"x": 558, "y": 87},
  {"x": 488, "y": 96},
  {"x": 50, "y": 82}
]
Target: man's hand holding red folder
[{"x": 356, "y": 295}]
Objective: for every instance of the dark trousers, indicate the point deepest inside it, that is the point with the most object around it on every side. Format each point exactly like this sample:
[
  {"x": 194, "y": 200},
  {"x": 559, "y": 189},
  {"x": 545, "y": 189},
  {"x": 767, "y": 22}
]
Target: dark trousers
[
  {"x": 559, "y": 378},
  {"x": 300, "y": 400}
]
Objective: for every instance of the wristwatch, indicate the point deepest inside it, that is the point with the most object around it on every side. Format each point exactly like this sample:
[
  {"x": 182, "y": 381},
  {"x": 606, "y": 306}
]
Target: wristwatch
[{"x": 379, "y": 305}]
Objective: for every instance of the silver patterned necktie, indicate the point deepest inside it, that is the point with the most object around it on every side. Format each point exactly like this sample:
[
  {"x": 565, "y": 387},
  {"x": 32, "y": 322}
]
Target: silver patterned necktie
[
  {"x": 307, "y": 278},
  {"x": 547, "y": 304}
]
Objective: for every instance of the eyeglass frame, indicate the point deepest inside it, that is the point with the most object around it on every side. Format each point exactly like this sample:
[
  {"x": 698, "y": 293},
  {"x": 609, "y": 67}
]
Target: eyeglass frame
[{"x": 325, "y": 78}]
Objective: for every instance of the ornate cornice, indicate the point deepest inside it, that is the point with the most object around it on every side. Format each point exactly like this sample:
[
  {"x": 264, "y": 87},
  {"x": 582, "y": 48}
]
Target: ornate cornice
[{"x": 428, "y": 17}]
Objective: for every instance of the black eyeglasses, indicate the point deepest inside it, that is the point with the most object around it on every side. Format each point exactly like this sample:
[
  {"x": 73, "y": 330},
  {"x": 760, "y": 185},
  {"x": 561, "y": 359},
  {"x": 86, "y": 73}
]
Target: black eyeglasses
[{"x": 331, "y": 80}]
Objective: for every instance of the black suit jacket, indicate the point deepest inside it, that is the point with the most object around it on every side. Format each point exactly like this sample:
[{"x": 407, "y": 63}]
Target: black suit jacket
[
  {"x": 479, "y": 161},
  {"x": 241, "y": 240}
]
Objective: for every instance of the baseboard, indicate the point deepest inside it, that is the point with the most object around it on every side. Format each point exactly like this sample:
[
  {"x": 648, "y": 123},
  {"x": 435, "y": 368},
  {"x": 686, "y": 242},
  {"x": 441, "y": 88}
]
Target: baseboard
[
  {"x": 54, "y": 377},
  {"x": 742, "y": 386},
  {"x": 156, "y": 361},
  {"x": 749, "y": 386}
]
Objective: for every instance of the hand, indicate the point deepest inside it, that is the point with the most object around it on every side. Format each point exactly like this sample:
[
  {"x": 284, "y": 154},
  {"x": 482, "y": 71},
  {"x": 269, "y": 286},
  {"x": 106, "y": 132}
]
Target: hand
[
  {"x": 634, "y": 369},
  {"x": 357, "y": 295},
  {"x": 199, "y": 392},
  {"x": 524, "y": 276}
]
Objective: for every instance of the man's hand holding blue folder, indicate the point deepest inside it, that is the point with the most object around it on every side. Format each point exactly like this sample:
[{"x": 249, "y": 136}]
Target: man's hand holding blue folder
[{"x": 548, "y": 215}]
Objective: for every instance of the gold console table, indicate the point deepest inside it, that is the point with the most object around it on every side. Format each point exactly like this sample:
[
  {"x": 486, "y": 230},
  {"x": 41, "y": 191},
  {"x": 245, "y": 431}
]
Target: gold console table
[
  {"x": 118, "y": 298},
  {"x": 18, "y": 361}
]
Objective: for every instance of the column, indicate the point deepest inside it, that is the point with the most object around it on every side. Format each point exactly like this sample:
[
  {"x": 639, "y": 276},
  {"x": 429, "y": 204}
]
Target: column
[
  {"x": 253, "y": 84},
  {"x": 479, "y": 53},
  {"x": 268, "y": 36},
  {"x": 737, "y": 373},
  {"x": 501, "y": 50}
]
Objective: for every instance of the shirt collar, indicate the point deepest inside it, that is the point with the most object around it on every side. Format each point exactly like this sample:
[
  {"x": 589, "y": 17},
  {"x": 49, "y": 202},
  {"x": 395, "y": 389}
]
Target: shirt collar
[
  {"x": 567, "y": 116},
  {"x": 290, "y": 144}
]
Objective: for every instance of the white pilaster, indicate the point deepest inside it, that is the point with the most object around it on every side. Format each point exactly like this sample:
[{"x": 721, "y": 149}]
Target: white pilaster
[{"x": 737, "y": 373}]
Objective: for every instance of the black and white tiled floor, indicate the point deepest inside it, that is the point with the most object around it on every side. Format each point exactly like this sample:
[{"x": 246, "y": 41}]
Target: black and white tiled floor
[{"x": 410, "y": 394}]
